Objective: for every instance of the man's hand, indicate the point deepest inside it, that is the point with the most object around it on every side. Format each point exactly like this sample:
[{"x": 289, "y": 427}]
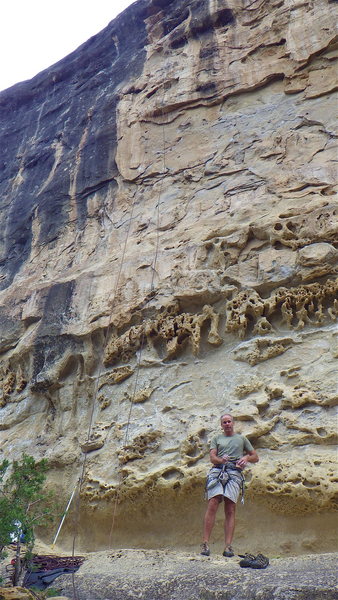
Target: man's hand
[
  {"x": 224, "y": 459},
  {"x": 242, "y": 462},
  {"x": 218, "y": 460},
  {"x": 250, "y": 457}
]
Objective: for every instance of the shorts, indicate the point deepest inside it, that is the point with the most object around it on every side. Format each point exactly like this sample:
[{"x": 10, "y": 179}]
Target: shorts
[{"x": 228, "y": 489}]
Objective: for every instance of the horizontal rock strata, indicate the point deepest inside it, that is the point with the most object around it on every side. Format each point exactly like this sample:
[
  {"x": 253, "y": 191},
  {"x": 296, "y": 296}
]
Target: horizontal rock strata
[{"x": 169, "y": 252}]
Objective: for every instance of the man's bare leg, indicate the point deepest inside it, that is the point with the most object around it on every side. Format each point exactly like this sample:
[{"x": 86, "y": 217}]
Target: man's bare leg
[
  {"x": 210, "y": 516},
  {"x": 229, "y": 522}
]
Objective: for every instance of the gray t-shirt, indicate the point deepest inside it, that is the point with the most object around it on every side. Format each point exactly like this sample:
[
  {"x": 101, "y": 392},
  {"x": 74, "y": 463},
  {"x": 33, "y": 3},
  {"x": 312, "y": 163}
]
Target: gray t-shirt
[{"x": 233, "y": 445}]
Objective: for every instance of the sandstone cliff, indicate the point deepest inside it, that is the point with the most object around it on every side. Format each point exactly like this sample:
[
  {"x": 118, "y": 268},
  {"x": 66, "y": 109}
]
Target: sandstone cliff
[{"x": 169, "y": 252}]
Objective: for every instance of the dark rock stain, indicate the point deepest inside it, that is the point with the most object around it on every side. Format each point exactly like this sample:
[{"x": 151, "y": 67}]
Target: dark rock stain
[
  {"x": 202, "y": 22},
  {"x": 11, "y": 330},
  {"x": 169, "y": 24},
  {"x": 55, "y": 105},
  {"x": 51, "y": 343},
  {"x": 181, "y": 27},
  {"x": 223, "y": 18},
  {"x": 209, "y": 87},
  {"x": 74, "y": 103}
]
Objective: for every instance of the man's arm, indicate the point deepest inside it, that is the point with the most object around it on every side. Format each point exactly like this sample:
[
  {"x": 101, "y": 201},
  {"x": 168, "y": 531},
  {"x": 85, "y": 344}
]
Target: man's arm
[{"x": 250, "y": 457}]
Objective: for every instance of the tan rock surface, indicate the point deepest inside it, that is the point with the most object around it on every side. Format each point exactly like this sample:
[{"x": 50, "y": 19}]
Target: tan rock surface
[
  {"x": 198, "y": 277},
  {"x": 165, "y": 575},
  {"x": 15, "y": 593}
]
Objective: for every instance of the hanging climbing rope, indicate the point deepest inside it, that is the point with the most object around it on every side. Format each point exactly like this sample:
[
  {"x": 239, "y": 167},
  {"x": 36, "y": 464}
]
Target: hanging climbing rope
[
  {"x": 94, "y": 398},
  {"x": 139, "y": 357}
]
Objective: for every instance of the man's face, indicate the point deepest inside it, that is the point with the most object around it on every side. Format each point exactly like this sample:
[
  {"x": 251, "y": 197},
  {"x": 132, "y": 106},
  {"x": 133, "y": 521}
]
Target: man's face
[{"x": 227, "y": 424}]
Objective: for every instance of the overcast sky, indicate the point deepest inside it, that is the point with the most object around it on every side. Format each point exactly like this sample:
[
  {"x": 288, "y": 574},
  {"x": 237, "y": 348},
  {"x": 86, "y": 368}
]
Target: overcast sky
[{"x": 35, "y": 34}]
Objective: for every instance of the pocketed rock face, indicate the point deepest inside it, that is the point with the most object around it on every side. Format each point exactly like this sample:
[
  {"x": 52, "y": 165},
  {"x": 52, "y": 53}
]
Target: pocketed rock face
[{"x": 169, "y": 242}]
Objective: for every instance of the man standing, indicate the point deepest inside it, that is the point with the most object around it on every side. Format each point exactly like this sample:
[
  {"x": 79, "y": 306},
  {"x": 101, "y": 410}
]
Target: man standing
[{"x": 229, "y": 453}]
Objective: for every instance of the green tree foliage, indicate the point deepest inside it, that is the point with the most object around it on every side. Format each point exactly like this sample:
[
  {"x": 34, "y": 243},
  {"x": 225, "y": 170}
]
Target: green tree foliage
[
  {"x": 6, "y": 514},
  {"x": 24, "y": 504}
]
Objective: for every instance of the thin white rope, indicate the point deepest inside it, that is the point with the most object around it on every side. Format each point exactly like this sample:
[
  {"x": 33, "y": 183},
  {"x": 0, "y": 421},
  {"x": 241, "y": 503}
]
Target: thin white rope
[{"x": 139, "y": 355}]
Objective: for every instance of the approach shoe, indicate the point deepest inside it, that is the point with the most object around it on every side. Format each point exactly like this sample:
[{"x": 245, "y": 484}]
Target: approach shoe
[
  {"x": 205, "y": 550},
  {"x": 254, "y": 562},
  {"x": 228, "y": 552}
]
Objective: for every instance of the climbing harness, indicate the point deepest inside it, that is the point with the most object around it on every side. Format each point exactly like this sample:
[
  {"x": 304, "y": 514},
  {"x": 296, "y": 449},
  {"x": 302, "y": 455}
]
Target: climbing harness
[{"x": 222, "y": 474}]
